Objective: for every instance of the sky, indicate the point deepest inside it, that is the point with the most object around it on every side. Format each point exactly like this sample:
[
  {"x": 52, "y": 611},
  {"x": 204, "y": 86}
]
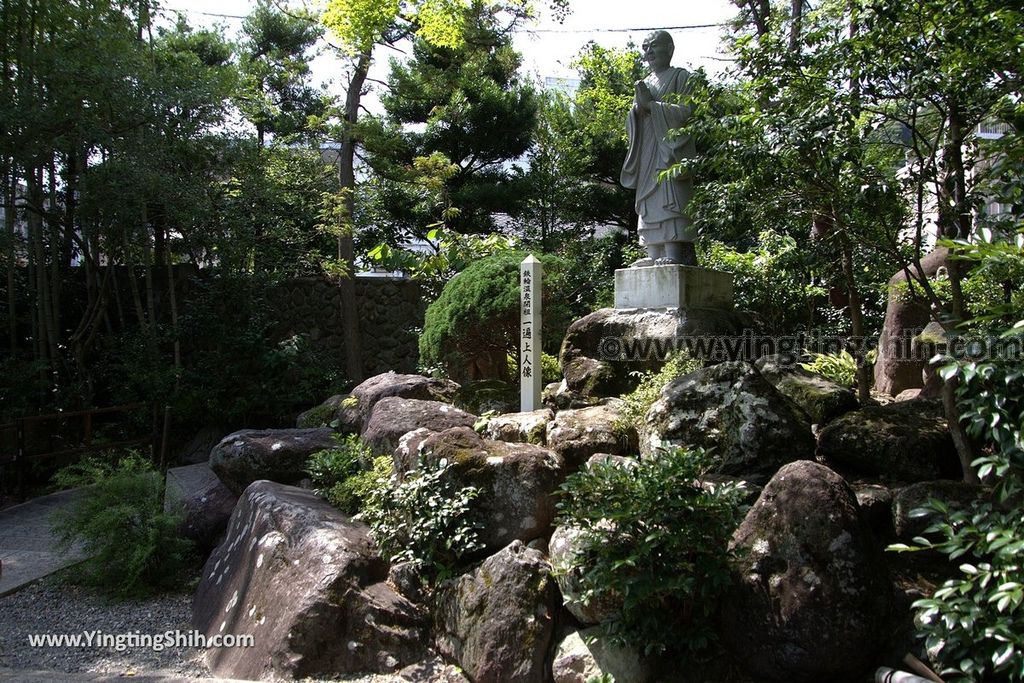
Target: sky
[{"x": 549, "y": 47}]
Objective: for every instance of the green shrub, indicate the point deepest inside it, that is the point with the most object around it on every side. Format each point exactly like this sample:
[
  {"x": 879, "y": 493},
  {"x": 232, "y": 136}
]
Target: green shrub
[
  {"x": 426, "y": 518},
  {"x": 840, "y": 367},
  {"x": 232, "y": 368},
  {"x": 318, "y": 416},
  {"x": 973, "y": 625},
  {"x": 134, "y": 546},
  {"x": 656, "y": 539},
  {"x": 474, "y": 323},
  {"x": 338, "y": 473},
  {"x": 550, "y": 370},
  {"x": 772, "y": 280},
  {"x": 350, "y": 495},
  {"x": 640, "y": 400}
]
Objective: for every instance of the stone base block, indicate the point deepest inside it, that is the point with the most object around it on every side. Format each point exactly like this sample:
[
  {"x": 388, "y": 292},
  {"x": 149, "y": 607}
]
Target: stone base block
[{"x": 672, "y": 287}]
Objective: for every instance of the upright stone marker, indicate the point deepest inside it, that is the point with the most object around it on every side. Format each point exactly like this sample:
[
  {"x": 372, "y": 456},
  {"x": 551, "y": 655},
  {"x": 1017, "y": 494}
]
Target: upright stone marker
[{"x": 530, "y": 286}]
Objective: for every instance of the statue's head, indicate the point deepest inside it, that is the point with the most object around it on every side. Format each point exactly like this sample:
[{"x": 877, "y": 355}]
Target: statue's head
[{"x": 658, "y": 48}]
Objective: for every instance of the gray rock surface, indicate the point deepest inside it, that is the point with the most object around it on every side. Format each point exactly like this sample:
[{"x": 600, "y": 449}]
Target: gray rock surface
[
  {"x": 569, "y": 561},
  {"x": 393, "y": 417},
  {"x": 204, "y": 501},
  {"x": 497, "y": 622},
  {"x": 275, "y": 454},
  {"x": 907, "y": 441},
  {"x": 585, "y": 655},
  {"x": 577, "y": 434},
  {"x": 308, "y": 584},
  {"x": 354, "y": 410},
  {"x": 521, "y": 427},
  {"x": 821, "y": 398},
  {"x": 558, "y": 396},
  {"x": 517, "y": 480},
  {"x": 322, "y": 415},
  {"x": 875, "y": 503},
  {"x": 731, "y": 408},
  {"x": 601, "y": 350},
  {"x": 897, "y": 368},
  {"x": 810, "y": 597},
  {"x": 955, "y": 494}
]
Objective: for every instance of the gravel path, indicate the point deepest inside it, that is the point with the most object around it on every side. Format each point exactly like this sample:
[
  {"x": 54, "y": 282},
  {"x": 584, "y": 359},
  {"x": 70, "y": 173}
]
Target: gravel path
[
  {"x": 57, "y": 607},
  {"x": 51, "y": 606}
]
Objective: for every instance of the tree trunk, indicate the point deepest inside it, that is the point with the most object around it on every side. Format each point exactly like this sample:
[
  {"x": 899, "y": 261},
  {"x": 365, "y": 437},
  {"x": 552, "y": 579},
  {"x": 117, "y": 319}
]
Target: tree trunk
[
  {"x": 953, "y": 160},
  {"x": 44, "y": 303},
  {"x": 966, "y": 448},
  {"x": 56, "y": 251},
  {"x": 10, "y": 191},
  {"x": 147, "y": 272},
  {"x": 346, "y": 252},
  {"x": 796, "y": 16},
  {"x": 856, "y": 318}
]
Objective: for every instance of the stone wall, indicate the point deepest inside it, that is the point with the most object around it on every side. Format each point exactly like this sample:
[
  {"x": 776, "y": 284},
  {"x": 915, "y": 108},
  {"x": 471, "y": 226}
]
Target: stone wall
[{"x": 390, "y": 317}]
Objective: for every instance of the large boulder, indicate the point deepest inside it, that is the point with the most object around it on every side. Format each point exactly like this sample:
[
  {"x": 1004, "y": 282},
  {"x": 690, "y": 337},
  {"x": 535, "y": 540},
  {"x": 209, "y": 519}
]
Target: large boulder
[
  {"x": 603, "y": 351},
  {"x": 322, "y": 415},
  {"x": 954, "y": 494},
  {"x": 276, "y": 454},
  {"x": 517, "y": 481},
  {"x": 308, "y": 585},
  {"x": 497, "y": 622},
  {"x": 197, "y": 450},
  {"x": 820, "y": 398},
  {"x": 353, "y": 411},
  {"x": 528, "y": 427},
  {"x": 393, "y": 417},
  {"x": 579, "y": 433},
  {"x": 488, "y": 395},
  {"x": 204, "y": 502},
  {"x": 810, "y": 597},
  {"x": 906, "y": 441},
  {"x": 566, "y": 549},
  {"x": 586, "y": 655},
  {"x": 899, "y": 366},
  {"x": 731, "y": 408}
]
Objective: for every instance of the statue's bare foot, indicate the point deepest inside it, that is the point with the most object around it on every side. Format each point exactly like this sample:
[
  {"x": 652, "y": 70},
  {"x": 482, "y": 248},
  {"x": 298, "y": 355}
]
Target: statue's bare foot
[
  {"x": 643, "y": 263},
  {"x": 666, "y": 261}
]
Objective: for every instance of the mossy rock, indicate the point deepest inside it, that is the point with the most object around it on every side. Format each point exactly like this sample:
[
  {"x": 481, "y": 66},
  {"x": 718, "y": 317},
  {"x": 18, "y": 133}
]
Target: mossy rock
[{"x": 488, "y": 395}]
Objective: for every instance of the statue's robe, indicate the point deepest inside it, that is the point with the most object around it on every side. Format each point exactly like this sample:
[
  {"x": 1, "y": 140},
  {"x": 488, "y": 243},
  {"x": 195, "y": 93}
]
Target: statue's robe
[{"x": 661, "y": 205}]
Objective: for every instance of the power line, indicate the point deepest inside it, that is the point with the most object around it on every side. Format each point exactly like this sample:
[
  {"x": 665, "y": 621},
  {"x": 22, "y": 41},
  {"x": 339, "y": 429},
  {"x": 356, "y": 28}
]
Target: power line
[
  {"x": 622, "y": 30},
  {"x": 527, "y": 30}
]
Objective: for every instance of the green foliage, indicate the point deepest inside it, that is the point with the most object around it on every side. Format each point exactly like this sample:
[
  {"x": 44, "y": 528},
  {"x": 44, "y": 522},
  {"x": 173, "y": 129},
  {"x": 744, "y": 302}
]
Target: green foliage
[
  {"x": 773, "y": 280},
  {"x": 355, "y": 491},
  {"x": 974, "y": 624},
  {"x": 275, "y": 94},
  {"x": 474, "y": 325},
  {"x": 318, "y": 416},
  {"x": 450, "y": 253},
  {"x": 840, "y": 367},
  {"x": 231, "y": 369},
  {"x": 134, "y": 546},
  {"x": 425, "y": 518},
  {"x": 455, "y": 113},
  {"x": 640, "y": 400},
  {"x": 550, "y": 370},
  {"x": 336, "y": 473},
  {"x": 590, "y": 283},
  {"x": 656, "y": 539}
]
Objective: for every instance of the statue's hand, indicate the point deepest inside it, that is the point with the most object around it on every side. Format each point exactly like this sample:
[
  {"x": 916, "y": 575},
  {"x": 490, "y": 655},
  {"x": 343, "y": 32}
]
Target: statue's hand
[{"x": 643, "y": 97}]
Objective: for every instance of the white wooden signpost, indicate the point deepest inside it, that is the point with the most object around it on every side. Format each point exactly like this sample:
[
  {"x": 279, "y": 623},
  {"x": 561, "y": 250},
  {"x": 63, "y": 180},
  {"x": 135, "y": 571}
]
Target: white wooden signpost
[{"x": 530, "y": 380}]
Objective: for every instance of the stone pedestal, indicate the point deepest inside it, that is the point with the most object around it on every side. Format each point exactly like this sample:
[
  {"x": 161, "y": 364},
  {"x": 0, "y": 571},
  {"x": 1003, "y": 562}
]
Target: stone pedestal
[{"x": 672, "y": 287}]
